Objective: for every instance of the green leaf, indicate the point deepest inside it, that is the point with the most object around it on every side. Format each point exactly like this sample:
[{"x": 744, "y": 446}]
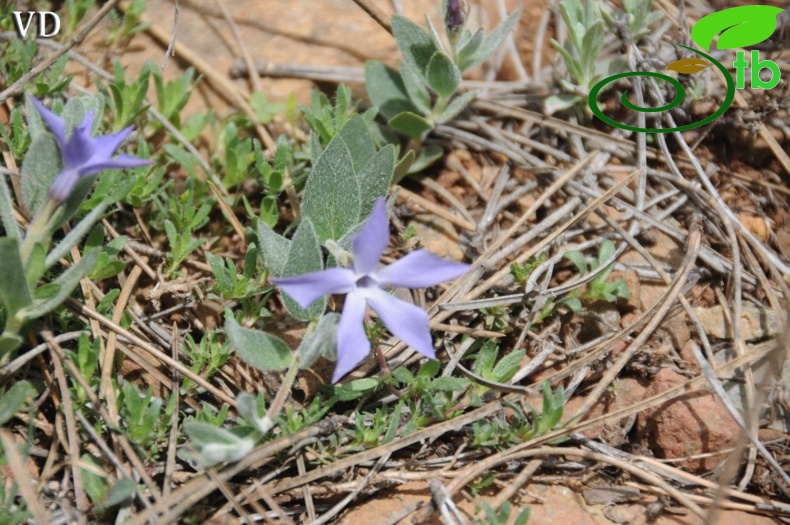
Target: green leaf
[
  {"x": 429, "y": 369},
  {"x": 14, "y": 292},
  {"x": 410, "y": 124},
  {"x": 448, "y": 384},
  {"x": 507, "y": 367},
  {"x": 14, "y": 399},
  {"x": 119, "y": 493},
  {"x": 494, "y": 39},
  {"x": 375, "y": 178},
  {"x": 573, "y": 304},
  {"x": 217, "y": 445},
  {"x": 357, "y": 138},
  {"x": 442, "y": 75},
  {"x": 386, "y": 90},
  {"x": 606, "y": 251},
  {"x": 485, "y": 359},
  {"x": 93, "y": 482},
  {"x": 39, "y": 169},
  {"x": 425, "y": 157},
  {"x": 75, "y": 235},
  {"x": 274, "y": 249},
  {"x": 578, "y": 260},
  {"x": 7, "y": 210},
  {"x": 415, "y": 87},
  {"x": 414, "y": 42},
  {"x": 467, "y": 51},
  {"x": 320, "y": 342},
  {"x": 257, "y": 348},
  {"x": 9, "y": 343},
  {"x": 304, "y": 257},
  {"x": 331, "y": 196},
  {"x": 455, "y": 107},
  {"x": 66, "y": 282},
  {"x": 361, "y": 385},
  {"x": 403, "y": 165}
]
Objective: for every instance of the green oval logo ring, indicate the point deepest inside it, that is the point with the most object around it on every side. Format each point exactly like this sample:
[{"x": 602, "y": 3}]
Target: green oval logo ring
[{"x": 680, "y": 95}]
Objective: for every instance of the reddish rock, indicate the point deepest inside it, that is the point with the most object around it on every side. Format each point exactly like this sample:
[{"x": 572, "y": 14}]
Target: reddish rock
[
  {"x": 695, "y": 423},
  {"x": 625, "y": 392}
]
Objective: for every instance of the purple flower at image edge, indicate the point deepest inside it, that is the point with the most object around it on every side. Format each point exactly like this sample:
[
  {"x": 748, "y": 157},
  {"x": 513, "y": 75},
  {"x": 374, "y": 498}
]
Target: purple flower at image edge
[
  {"x": 82, "y": 154},
  {"x": 364, "y": 286}
]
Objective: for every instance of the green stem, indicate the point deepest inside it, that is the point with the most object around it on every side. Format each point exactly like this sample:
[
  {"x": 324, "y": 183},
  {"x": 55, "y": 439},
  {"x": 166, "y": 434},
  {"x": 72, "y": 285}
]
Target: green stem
[
  {"x": 282, "y": 396},
  {"x": 38, "y": 231}
]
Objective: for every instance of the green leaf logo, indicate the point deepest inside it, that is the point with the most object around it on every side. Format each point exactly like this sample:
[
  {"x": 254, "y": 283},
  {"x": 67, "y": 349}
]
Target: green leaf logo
[{"x": 739, "y": 27}]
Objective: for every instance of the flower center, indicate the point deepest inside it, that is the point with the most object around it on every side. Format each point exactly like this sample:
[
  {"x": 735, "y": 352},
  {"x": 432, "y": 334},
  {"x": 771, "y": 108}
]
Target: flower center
[{"x": 367, "y": 281}]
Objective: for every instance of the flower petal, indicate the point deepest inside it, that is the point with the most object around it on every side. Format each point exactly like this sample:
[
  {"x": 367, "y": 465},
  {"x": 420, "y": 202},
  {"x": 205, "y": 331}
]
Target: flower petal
[
  {"x": 420, "y": 269},
  {"x": 372, "y": 239},
  {"x": 80, "y": 146},
  {"x": 120, "y": 162},
  {"x": 353, "y": 345},
  {"x": 405, "y": 320},
  {"x": 306, "y": 288},
  {"x": 55, "y": 124},
  {"x": 63, "y": 185},
  {"x": 105, "y": 146}
]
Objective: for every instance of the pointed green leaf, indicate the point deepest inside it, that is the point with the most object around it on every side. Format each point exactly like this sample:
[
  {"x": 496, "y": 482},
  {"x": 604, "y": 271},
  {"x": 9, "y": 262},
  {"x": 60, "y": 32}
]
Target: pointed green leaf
[
  {"x": 257, "y": 348},
  {"x": 14, "y": 293},
  {"x": 321, "y": 342},
  {"x": 331, "y": 196},
  {"x": 578, "y": 260},
  {"x": 507, "y": 367},
  {"x": 40, "y": 167},
  {"x": 386, "y": 90},
  {"x": 410, "y": 124},
  {"x": 66, "y": 282},
  {"x": 425, "y": 157},
  {"x": 304, "y": 257},
  {"x": 274, "y": 248},
  {"x": 414, "y": 42},
  {"x": 494, "y": 39},
  {"x": 75, "y": 235},
  {"x": 7, "y": 210},
  {"x": 442, "y": 75},
  {"x": 415, "y": 87},
  {"x": 467, "y": 50},
  {"x": 357, "y": 138},
  {"x": 455, "y": 107},
  {"x": 403, "y": 165},
  {"x": 376, "y": 177},
  {"x": 14, "y": 399}
]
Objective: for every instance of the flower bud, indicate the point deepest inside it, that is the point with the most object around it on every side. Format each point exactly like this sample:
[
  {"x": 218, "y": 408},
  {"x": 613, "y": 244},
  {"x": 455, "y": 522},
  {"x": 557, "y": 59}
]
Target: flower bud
[{"x": 454, "y": 20}]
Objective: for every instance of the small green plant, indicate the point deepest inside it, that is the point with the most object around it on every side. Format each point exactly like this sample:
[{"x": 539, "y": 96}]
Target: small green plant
[
  {"x": 582, "y": 53},
  {"x": 144, "y": 418},
  {"x": 207, "y": 357},
  {"x": 422, "y": 94},
  {"x": 638, "y": 15},
  {"x": 502, "y": 516},
  {"x": 521, "y": 427},
  {"x": 598, "y": 289},
  {"x": 503, "y": 371}
]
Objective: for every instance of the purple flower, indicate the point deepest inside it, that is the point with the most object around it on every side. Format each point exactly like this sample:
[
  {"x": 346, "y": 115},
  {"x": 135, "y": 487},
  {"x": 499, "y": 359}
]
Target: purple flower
[
  {"x": 364, "y": 286},
  {"x": 82, "y": 154},
  {"x": 454, "y": 19}
]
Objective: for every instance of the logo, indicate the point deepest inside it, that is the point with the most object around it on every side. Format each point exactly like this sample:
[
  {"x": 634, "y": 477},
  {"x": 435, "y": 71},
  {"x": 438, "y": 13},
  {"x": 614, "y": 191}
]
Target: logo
[
  {"x": 739, "y": 27},
  {"x": 23, "y": 27}
]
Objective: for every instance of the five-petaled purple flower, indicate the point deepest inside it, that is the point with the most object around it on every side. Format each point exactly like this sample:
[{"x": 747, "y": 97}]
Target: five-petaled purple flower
[
  {"x": 364, "y": 286},
  {"x": 82, "y": 154}
]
